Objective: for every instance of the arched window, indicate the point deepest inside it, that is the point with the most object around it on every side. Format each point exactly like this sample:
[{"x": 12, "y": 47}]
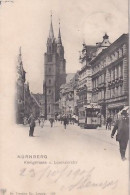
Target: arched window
[{"x": 49, "y": 81}]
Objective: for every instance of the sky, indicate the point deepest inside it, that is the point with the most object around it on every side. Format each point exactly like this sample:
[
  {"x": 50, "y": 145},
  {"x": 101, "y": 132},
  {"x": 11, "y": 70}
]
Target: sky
[{"x": 26, "y": 23}]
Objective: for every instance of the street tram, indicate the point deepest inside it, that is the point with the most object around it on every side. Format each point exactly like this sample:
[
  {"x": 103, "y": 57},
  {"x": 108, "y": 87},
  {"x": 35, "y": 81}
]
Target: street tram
[{"x": 90, "y": 117}]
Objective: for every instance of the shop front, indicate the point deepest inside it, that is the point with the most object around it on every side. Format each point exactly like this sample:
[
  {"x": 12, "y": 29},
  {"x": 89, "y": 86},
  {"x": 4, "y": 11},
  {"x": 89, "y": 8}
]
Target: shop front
[{"x": 114, "y": 108}]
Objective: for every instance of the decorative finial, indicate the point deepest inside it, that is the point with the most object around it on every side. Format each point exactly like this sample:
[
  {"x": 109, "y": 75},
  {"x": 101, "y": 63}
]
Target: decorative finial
[{"x": 105, "y": 36}]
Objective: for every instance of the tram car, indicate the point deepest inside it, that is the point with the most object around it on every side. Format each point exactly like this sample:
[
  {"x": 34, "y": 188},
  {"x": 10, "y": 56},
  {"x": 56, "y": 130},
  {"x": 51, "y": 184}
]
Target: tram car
[{"x": 90, "y": 117}]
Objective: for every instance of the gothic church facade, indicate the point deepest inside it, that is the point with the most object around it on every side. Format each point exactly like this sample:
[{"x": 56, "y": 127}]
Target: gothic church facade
[{"x": 54, "y": 72}]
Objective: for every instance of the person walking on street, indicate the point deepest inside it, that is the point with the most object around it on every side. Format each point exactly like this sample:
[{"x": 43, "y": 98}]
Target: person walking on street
[
  {"x": 51, "y": 121},
  {"x": 39, "y": 120},
  {"x": 108, "y": 123},
  {"x": 122, "y": 127},
  {"x": 65, "y": 122},
  {"x": 31, "y": 124},
  {"x": 42, "y": 122}
]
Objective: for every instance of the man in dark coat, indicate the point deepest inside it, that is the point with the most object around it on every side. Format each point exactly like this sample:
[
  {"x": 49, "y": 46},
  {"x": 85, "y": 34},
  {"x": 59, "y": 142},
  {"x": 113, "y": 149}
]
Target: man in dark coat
[
  {"x": 65, "y": 121},
  {"x": 122, "y": 127},
  {"x": 51, "y": 121},
  {"x": 31, "y": 124}
]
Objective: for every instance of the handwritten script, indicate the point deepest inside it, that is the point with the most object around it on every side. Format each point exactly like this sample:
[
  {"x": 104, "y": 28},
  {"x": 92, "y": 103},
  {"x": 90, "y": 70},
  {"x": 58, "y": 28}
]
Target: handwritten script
[
  {"x": 73, "y": 178},
  {"x": 6, "y": 1}
]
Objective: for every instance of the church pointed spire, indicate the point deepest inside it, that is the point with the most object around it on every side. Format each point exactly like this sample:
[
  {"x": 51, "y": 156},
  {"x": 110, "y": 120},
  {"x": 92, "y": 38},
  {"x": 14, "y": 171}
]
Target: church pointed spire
[
  {"x": 59, "y": 35},
  {"x": 51, "y": 32},
  {"x": 20, "y": 51},
  {"x": 20, "y": 57}
]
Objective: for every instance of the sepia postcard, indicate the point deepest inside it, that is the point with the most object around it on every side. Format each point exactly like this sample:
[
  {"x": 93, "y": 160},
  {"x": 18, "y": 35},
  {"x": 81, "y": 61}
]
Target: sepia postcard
[{"x": 64, "y": 97}]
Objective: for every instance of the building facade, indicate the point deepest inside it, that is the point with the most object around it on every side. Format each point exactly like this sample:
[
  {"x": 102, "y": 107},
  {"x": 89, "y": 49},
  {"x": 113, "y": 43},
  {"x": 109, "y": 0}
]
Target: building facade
[
  {"x": 54, "y": 72},
  {"x": 68, "y": 97},
  {"x": 110, "y": 84},
  {"x": 27, "y": 101},
  {"x": 102, "y": 80},
  {"x": 84, "y": 88},
  {"x": 20, "y": 81}
]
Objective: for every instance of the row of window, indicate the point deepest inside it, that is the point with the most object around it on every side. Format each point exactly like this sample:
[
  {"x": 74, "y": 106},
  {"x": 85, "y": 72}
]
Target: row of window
[
  {"x": 110, "y": 94},
  {"x": 98, "y": 80},
  {"x": 114, "y": 73},
  {"x": 109, "y": 59},
  {"x": 115, "y": 92}
]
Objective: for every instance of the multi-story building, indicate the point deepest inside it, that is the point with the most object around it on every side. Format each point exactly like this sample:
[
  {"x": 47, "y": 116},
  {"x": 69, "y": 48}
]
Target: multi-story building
[
  {"x": 26, "y": 102},
  {"x": 84, "y": 89},
  {"x": 66, "y": 101},
  {"x": 68, "y": 96},
  {"x": 110, "y": 84},
  {"x": 19, "y": 100},
  {"x": 54, "y": 72}
]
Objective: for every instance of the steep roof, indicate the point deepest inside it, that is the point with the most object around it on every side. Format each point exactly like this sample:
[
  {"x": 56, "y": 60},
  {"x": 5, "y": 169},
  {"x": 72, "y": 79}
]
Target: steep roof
[{"x": 111, "y": 47}]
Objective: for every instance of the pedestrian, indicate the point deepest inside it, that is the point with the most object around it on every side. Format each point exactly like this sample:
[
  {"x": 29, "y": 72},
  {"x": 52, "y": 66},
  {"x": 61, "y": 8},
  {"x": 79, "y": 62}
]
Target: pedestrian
[
  {"x": 39, "y": 121},
  {"x": 108, "y": 123},
  {"x": 122, "y": 127},
  {"x": 31, "y": 124},
  {"x": 65, "y": 122},
  {"x": 42, "y": 122},
  {"x": 51, "y": 121},
  {"x": 61, "y": 119},
  {"x": 25, "y": 120}
]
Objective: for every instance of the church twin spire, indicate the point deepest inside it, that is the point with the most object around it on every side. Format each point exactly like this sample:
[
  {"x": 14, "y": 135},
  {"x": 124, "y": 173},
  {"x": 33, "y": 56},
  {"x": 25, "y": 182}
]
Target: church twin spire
[{"x": 51, "y": 32}]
